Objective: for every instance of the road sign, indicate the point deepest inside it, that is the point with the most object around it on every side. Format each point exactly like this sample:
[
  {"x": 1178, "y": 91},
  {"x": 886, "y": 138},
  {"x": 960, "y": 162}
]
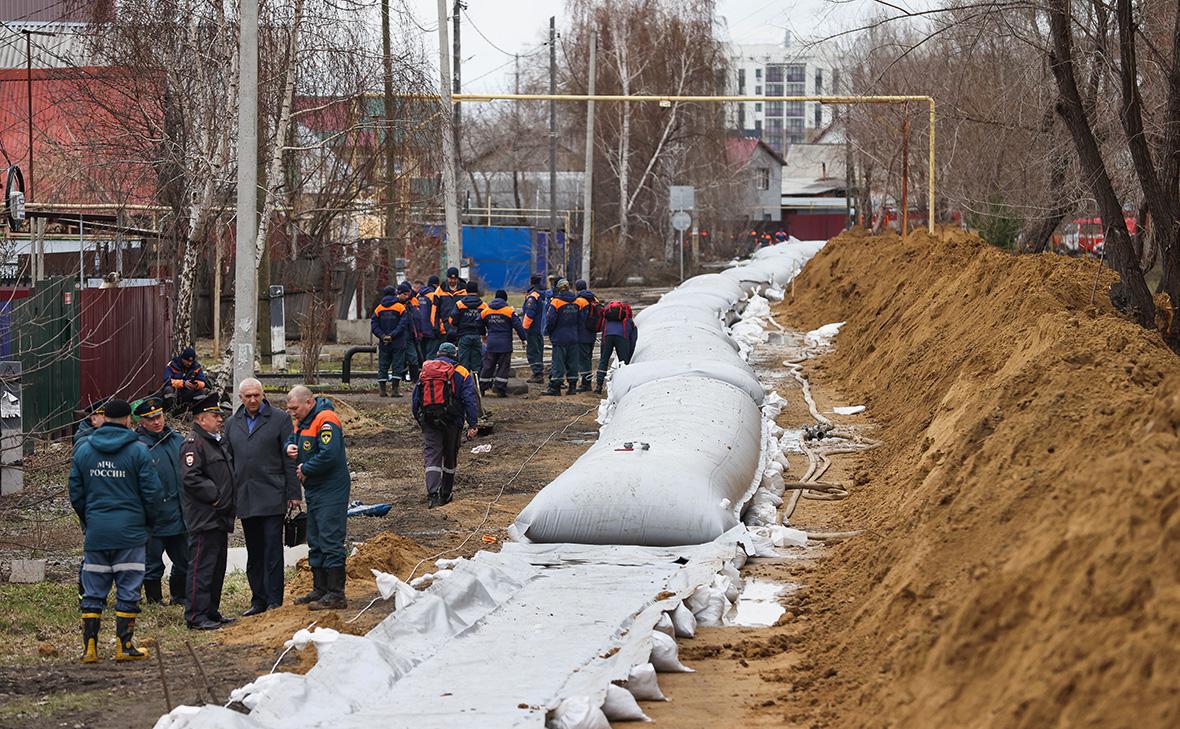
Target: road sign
[
  {"x": 681, "y": 220},
  {"x": 681, "y": 197}
]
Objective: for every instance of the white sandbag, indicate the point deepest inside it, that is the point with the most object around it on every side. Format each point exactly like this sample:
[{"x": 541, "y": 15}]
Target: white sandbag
[
  {"x": 695, "y": 456},
  {"x": 643, "y": 684},
  {"x": 708, "y": 605},
  {"x": 577, "y": 712},
  {"x": 684, "y": 622},
  {"x": 716, "y": 283},
  {"x": 635, "y": 374},
  {"x": 664, "y": 625},
  {"x": 665, "y": 656},
  {"x": 689, "y": 345},
  {"x": 698, "y": 312},
  {"x": 620, "y": 705}
]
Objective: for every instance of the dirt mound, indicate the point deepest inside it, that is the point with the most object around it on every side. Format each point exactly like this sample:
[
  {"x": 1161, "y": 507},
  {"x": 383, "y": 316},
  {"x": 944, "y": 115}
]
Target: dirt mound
[
  {"x": 355, "y": 423},
  {"x": 387, "y": 552},
  {"x": 1025, "y": 511}
]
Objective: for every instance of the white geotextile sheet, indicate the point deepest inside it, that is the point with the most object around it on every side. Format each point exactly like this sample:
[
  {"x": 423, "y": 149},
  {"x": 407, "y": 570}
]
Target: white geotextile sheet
[
  {"x": 696, "y": 447},
  {"x": 625, "y": 379},
  {"x": 540, "y": 624}
]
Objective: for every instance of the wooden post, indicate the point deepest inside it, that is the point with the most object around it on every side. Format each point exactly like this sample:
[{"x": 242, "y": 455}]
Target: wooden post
[{"x": 905, "y": 169}]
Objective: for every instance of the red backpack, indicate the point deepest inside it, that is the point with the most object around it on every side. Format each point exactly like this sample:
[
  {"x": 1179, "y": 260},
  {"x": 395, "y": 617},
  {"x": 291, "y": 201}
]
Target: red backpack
[
  {"x": 437, "y": 386},
  {"x": 617, "y": 311}
]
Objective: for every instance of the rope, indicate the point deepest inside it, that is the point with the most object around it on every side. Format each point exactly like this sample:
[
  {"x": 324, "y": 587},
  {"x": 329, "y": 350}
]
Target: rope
[{"x": 488, "y": 511}]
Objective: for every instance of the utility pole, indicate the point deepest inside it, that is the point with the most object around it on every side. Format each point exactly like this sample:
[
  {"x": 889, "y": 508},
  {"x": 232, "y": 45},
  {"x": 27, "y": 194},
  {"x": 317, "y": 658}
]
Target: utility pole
[
  {"x": 553, "y": 138},
  {"x": 455, "y": 69},
  {"x": 29, "y": 99},
  {"x": 587, "y": 218},
  {"x": 387, "y": 138},
  {"x": 245, "y": 270},
  {"x": 450, "y": 157}
]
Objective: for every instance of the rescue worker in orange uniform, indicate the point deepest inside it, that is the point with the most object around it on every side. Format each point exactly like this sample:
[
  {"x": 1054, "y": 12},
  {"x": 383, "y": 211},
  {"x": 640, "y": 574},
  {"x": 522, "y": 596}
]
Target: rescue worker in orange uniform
[
  {"x": 391, "y": 325},
  {"x": 498, "y": 322}
]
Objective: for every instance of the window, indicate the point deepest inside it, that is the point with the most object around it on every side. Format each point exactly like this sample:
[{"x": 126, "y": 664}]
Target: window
[
  {"x": 763, "y": 180},
  {"x": 835, "y": 80},
  {"x": 741, "y": 81},
  {"x": 793, "y": 108},
  {"x": 796, "y": 89},
  {"x": 819, "y": 80},
  {"x": 774, "y": 124},
  {"x": 774, "y": 108},
  {"x": 758, "y": 127},
  {"x": 819, "y": 116},
  {"x": 774, "y": 89},
  {"x": 757, "y": 74},
  {"x": 765, "y": 216},
  {"x": 757, "y": 91},
  {"x": 795, "y": 130},
  {"x": 741, "y": 116},
  {"x": 796, "y": 72},
  {"x": 774, "y": 74},
  {"x": 774, "y": 140},
  {"x": 758, "y": 106}
]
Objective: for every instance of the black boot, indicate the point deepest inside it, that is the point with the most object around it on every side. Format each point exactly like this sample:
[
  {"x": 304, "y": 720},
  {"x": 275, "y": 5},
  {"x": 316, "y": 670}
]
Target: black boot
[
  {"x": 90, "y": 625},
  {"x": 573, "y": 388},
  {"x": 538, "y": 379},
  {"x": 383, "y": 392},
  {"x": 585, "y": 386},
  {"x": 395, "y": 386},
  {"x": 333, "y": 598},
  {"x": 176, "y": 590},
  {"x": 598, "y": 388},
  {"x": 444, "y": 493},
  {"x": 125, "y": 649},
  {"x": 318, "y": 589},
  {"x": 554, "y": 388},
  {"x": 152, "y": 593}
]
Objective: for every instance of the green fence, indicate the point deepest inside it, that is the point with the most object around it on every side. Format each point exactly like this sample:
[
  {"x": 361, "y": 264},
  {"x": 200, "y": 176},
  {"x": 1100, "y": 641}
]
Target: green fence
[{"x": 46, "y": 324}]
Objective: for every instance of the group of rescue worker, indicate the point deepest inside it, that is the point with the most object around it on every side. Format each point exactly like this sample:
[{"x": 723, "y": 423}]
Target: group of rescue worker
[
  {"x": 149, "y": 492},
  {"x": 411, "y": 323},
  {"x": 143, "y": 493}
]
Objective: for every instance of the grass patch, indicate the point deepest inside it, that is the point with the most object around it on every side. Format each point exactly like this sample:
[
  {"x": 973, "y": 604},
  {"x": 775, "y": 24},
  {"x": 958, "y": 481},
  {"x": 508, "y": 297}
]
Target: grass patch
[
  {"x": 41, "y": 623},
  {"x": 42, "y": 707}
]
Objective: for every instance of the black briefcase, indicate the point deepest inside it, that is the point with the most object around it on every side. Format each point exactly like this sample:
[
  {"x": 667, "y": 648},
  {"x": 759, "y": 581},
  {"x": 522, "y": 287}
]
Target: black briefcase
[{"x": 295, "y": 528}]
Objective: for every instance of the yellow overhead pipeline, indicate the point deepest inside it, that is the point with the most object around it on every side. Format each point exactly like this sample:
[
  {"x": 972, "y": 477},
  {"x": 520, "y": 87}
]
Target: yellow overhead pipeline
[{"x": 832, "y": 100}]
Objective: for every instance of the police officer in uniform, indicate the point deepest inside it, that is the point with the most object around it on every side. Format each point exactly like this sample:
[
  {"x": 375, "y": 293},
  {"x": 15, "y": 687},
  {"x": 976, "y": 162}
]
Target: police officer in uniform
[
  {"x": 318, "y": 447},
  {"x": 167, "y": 533},
  {"x": 208, "y": 495}
]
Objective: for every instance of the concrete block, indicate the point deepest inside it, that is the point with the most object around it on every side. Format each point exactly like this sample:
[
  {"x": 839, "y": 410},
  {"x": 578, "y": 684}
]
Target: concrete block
[
  {"x": 27, "y": 571},
  {"x": 12, "y": 480},
  {"x": 353, "y": 331}
]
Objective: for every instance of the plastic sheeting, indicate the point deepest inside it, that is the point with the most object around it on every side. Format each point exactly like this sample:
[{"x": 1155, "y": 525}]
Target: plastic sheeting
[{"x": 688, "y": 405}]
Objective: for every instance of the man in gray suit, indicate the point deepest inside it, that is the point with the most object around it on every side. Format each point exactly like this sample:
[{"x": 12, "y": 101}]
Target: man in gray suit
[{"x": 267, "y": 488}]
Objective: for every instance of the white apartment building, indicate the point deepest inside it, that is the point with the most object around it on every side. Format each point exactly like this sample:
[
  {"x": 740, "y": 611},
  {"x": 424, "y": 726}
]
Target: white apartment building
[{"x": 767, "y": 69}]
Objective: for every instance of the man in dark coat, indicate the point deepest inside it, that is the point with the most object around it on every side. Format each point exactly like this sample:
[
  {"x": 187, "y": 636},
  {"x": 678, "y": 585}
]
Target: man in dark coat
[
  {"x": 533, "y": 311},
  {"x": 317, "y": 445},
  {"x": 466, "y": 324},
  {"x": 563, "y": 320},
  {"x": 267, "y": 487},
  {"x": 185, "y": 382},
  {"x": 392, "y": 325},
  {"x": 92, "y": 422},
  {"x": 207, "y": 480},
  {"x": 426, "y": 323},
  {"x": 168, "y": 533},
  {"x": 442, "y": 425},
  {"x": 115, "y": 492},
  {"x": 591, "y": 311},
  {"x": 499, "y": 322},
  {"x": 445, "y": 297}
]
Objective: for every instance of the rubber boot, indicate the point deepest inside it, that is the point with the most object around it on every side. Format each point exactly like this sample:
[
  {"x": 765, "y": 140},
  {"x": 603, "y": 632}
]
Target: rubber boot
[
  {"x": 573, "y": 388},
  {"x": 318, "y": 589},
  {"x": 333, "y": 598},
  {"x": 598, "y": 388},
  {"x": 554, "y": 389},
  {"x": 383, "y": 393},
  {"x": 538, "y": 379},
  {"x": 152, "y": 593},
  {"x": 90, "y": 625},
  {"x": 395, "y": 386},
  {"x": 585, "y": 386},
  {"x": 125, "y": 649}
]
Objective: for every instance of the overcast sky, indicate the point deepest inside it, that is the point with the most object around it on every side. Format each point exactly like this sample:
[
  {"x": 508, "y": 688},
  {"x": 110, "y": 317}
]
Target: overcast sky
[{"x": 492, "y": 30}]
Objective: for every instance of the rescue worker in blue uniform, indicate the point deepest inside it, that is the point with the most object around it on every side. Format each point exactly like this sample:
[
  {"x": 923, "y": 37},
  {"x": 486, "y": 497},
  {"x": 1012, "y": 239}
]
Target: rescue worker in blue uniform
[
  {"x": 533, "y": 310},
  {"x": 168, "y": 533},
  {"x": 445, "y": 298},
  {"x": 407, "y": 295},
  {"x": 442, "y": 422},
  {"x": 115, "y": 492},
  {"x": 562, "y": 320},
  {"x": 619, "y": 335},
  {"x": 499, "y": 321},
  {"x": 184, "y": 382},
  {"x": 391, "y": 326},
  {"x": 591, "y": 312},
  {"x": 430, "y": 336},
  {"x": 466, "y": 324},
  {"x": 318, "y": 446}
]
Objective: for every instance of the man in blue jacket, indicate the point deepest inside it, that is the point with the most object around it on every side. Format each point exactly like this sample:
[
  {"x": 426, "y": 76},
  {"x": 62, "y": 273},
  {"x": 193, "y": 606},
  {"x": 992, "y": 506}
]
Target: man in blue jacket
[
  {"x": 317, "y": 445},
  {"x": 534, "y": 313},
  {"x": 445, "y": 297},
  {"x": 391, "y": 325},
  {"x": 430, "y": 336},
  {"x": 466, "y": 324},
  {"x": 92, "y": 422},
  {"x": 168, "y": 534},
  {"x": 591, "y": 311},
  {"x": 115, "y": 492},
  {"x": 444, "y": 396},
  {"x": 185, "y": 381},
  {"x": 562, "y": 321},
  {"x": 499, "y": 321},
  {"x": 619, "y": 335}
]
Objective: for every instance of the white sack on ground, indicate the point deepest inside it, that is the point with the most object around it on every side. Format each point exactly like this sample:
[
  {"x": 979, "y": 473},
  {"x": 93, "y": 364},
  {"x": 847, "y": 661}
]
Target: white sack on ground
[
  {"x": 643, "y": 683},
  {"x": 665, "y": 655},
  {"x": 620, "y": 705},
  {"x": 640, "y": 373},
  {"x": 703, "y": 453}
]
